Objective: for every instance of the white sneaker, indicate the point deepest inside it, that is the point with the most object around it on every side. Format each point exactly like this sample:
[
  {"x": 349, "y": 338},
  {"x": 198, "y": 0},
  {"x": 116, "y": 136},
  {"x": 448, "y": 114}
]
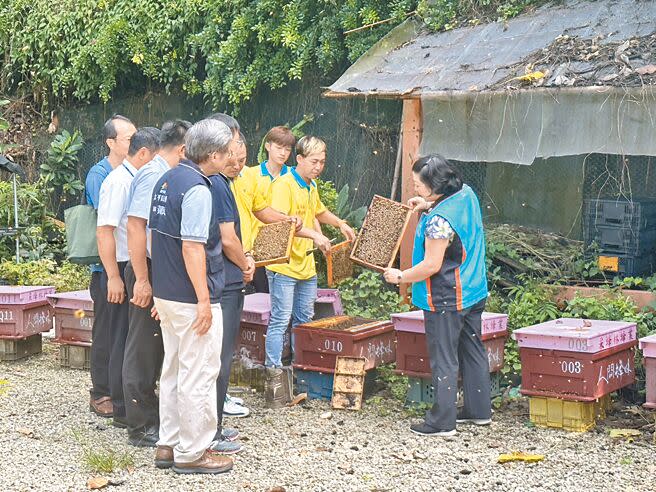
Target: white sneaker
[
  {"x": 238, "y": 401},
  {"x": 474, "y": 421},
  {"x": 232, "y": 409}
]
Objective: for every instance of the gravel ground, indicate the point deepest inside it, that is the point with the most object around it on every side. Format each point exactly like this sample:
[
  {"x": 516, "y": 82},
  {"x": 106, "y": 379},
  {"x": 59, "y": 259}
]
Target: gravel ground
[{"x": 295, "y": 449}]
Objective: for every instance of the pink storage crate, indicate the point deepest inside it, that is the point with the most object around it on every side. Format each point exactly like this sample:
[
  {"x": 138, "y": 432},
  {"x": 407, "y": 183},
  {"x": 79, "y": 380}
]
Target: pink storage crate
[
  {"x": 328, "y": 303},
  {"x": 576, "y": 335},
  {"x": 493, "y": 324},
  {"x": 20, "y": 294},
  {"x": 648, "y": 346},
  {"x": 257, "y": 309}
]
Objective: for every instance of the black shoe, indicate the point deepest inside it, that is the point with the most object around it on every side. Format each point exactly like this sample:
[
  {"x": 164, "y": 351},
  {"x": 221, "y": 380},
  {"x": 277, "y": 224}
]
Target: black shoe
[
  {"x": 424, "y": 429},
  {"x": 145, "y": 438}
]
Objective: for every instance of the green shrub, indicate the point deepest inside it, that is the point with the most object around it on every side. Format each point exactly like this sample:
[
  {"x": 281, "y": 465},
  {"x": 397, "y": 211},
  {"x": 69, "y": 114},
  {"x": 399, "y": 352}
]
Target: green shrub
[
  {"x": 369, "y": 296},
  {"x": 65, "y": 277}
]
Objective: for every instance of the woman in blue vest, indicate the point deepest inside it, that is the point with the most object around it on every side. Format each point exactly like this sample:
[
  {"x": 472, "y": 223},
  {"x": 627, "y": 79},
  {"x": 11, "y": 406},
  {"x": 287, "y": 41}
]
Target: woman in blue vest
[{"x": 449, "y": 284}]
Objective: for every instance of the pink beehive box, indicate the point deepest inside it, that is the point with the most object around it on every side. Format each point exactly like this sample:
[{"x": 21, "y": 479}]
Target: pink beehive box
[
  {"x": 77, "y": 299},
  {"x": 493, "y": 324},
  {"x": 576, "y": 335},
  {"x": 648, "y": 346},
  {"x": 257, "y": 309},
  {"x": 20, "y": 294}
]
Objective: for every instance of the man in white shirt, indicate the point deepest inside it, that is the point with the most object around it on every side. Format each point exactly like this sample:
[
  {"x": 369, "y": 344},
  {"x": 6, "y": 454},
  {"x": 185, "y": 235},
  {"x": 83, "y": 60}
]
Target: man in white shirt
[
  {"x": 143, "y": 346},
  {"x": 111, "y": 234}
]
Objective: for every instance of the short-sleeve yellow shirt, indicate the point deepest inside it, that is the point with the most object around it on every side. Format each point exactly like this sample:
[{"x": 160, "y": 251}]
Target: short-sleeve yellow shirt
[
  {"x": 252, "y": 193},
  {"x": 292, "y": 195}
]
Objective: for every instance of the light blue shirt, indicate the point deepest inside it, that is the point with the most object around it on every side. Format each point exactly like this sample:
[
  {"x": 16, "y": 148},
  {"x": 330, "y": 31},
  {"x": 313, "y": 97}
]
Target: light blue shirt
[
  {"x": 196, "y": 214},
  {"x": 92, "y": 184},
  {"x": 141, "y": 189}
]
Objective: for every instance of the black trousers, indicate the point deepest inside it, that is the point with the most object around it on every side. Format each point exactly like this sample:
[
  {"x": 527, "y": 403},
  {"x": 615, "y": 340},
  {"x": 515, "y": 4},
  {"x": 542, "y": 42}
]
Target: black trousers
[
  {"x": 232, "y": 303},
  {"x": 142, "y": 363},
  {"x": 100, "y": 337},
  {"x": 260, "y": 280},
  {"x": 454, "y": 344},
  {"x": 118, "y": 331}
]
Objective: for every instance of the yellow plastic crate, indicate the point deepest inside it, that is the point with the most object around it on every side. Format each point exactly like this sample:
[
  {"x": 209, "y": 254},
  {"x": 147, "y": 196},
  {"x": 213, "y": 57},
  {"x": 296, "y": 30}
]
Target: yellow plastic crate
[{"x": 573, "y": 416}]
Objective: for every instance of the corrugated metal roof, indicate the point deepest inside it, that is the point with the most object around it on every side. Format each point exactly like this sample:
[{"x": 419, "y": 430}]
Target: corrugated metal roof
[{"x": 560, "y": 38}]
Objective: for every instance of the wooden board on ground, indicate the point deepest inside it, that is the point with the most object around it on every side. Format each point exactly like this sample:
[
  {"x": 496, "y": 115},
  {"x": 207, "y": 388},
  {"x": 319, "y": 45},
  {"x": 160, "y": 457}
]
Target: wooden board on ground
[
  {"x": 273, "y": 243},
  {"x": 348, "y": 384},
  {"x": 379, "y": 239},
  {"x": 339, "y": 264}
]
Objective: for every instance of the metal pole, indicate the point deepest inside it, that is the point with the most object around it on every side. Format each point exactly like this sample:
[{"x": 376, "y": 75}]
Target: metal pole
[{"x": 16, "y": 220}]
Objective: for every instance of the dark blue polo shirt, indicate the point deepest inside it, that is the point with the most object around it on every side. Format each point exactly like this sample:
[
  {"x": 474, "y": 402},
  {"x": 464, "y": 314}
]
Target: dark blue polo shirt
[{"x": 225, "y": 210}]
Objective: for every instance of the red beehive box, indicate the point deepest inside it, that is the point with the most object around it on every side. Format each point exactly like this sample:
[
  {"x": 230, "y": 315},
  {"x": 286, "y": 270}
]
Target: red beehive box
[
  {"x": 24, "y": 311},
  {"x": 576, "y": 359},
  {"x": 648, "y": 347},
  {"x": 412, "y": 354},
  {"x": 73, "y": 316},
  {"x": 318, "y": 343},
  {"x": 251, "y": 343}
]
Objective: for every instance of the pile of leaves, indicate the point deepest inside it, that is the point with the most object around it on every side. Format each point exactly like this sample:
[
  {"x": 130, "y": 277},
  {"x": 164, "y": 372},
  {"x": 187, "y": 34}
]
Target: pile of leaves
[{"x": 573, "y": 61}]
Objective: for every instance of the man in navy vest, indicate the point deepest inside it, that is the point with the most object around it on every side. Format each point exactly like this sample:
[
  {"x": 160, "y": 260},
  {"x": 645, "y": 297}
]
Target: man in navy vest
[{"x": 187, "y": 282}]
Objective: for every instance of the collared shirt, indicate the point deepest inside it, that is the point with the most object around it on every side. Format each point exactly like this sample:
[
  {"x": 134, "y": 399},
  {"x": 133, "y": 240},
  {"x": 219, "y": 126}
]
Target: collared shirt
[
  {"x": 225, "y": 211},
  {"x": 94, "y": 180},
  {"x": 196, "y": 214},
  {"x": 113, "y": 206},
  {"x": 292, "y": 195},
  {"x": 252, "y": 193},
  {"x": 141, "y": 191}
]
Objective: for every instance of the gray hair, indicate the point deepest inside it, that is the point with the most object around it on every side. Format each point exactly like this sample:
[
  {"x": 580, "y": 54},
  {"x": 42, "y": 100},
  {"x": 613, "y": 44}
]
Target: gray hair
[{"x": 205, "y": 137}]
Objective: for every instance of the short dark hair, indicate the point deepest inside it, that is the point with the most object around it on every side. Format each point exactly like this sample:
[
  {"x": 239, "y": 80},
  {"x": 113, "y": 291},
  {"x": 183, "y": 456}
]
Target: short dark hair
[
  {"x": 280, "y": 135},
  {"x": 438, "y": 174},
  {"x": 147, "y": 136},
  {"x": 242, "y": 137},
  {"x": 232, "y": 123},
  {"x": 173, "y": 133},
  {"x": 109, "y": 129}
]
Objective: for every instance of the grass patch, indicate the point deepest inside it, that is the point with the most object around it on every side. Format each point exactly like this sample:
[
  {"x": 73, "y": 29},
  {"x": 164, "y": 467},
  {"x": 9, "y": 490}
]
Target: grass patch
[{"x": 101, "y": 457}]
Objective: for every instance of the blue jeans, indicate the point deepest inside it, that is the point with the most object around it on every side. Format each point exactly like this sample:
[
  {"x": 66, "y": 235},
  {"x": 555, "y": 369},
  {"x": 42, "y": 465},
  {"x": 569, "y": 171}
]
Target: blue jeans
[{"x": 291, "y": 299}]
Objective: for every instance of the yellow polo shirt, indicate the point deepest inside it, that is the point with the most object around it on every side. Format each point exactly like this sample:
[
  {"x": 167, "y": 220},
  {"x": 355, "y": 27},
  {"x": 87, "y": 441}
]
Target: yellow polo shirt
[
  {"x": 291, "y": 195},
  {"x": 252, "y": 190}
]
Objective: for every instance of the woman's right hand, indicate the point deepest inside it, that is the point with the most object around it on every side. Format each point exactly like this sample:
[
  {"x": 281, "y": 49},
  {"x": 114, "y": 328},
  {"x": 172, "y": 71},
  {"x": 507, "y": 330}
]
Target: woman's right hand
[{"x": 419, "y": 204}]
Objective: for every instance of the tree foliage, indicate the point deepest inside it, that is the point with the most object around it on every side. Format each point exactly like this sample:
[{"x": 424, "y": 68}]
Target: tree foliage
[{"x": 222, "y": 49}]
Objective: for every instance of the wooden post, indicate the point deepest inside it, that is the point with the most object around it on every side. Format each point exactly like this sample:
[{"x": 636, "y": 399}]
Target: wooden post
[{"x": 413, "y": 128}]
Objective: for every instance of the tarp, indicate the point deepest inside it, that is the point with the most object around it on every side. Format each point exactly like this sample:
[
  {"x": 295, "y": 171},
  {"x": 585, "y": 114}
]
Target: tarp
[{"x": 519, "y": 127}]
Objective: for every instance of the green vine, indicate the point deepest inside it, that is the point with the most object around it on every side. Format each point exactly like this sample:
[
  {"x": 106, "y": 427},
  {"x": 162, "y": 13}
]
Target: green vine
[{"x": 224, "y": 50}]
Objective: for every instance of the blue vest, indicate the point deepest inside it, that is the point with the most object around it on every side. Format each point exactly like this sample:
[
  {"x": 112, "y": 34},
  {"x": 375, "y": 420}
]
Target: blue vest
[
  {"x": 462, "y": 280},
  {"x": 170, "y": 279}
]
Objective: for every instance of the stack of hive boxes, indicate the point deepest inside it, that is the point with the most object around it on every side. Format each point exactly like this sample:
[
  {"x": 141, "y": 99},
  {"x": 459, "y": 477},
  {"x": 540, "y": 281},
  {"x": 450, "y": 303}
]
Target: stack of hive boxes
[
  {"x": 73, "y": 313},
  {"x": 648, "y": 347},
  {"x": 412, "y": 357},
  {"x": 625, "y": 233},
  {"x": 24, "y": 316},
  {"x": 318, "y": 344},
  {"x": 571, "y": 366}
]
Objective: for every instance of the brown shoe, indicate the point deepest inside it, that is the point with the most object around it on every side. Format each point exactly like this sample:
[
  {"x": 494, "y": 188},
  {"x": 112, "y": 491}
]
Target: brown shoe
[
  {"x": 208, "y": 463},
  {"x": 102, "y": 406},
  {"x": 164, "y": 457}
]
